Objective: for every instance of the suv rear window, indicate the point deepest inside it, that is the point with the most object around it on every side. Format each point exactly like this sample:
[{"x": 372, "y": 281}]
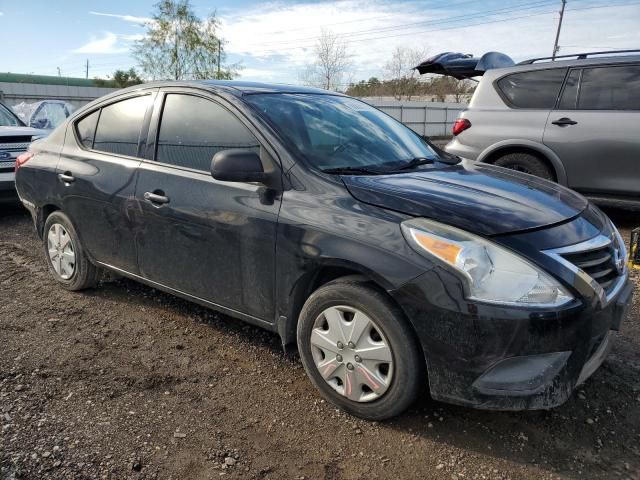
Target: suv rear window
[
  {"x": 610, "y": 88},
  {"x": 535, "y": 89}
]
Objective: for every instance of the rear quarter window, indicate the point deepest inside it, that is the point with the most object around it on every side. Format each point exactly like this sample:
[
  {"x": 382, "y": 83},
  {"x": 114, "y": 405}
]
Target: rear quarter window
[
  {"x": 86, "y": 129},
  {"x": 536, "y": 89}
]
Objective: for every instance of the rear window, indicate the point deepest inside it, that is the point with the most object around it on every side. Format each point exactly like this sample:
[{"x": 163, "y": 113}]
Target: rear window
[
  {"x": 535, "y": 89},
  {"x": 610, "y": 88}
]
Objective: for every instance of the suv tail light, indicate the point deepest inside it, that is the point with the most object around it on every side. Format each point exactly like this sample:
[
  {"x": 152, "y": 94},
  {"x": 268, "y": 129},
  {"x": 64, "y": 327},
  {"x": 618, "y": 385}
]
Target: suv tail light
[
  {"x": 22, "y": 159},
  {"x": 460, "y": 126}
]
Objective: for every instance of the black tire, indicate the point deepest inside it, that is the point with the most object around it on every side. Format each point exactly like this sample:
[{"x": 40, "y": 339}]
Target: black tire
[
  {"x": 526, "y": 163},
  {"x": 85, "y": 274},
  {"x": 408, "y": 362}
]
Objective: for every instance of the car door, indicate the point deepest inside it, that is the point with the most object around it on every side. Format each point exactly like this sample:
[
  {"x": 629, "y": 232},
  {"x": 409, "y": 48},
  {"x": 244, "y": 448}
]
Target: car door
[
  {"x": 594, "y": 129},
  {"x": 210, "y": 239},
  {"x": 96, "y": 176}
]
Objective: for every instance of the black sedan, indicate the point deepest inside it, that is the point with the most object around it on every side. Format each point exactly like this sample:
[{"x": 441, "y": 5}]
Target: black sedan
[{"x": 386, "y": 261}]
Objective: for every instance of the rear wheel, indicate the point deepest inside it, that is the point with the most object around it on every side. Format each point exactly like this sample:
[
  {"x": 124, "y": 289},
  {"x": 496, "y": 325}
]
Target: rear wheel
[
  {"x": 66, "y": 258},
  {"x": 358, "y": 350},
  {"x": 526, "y": 163}
]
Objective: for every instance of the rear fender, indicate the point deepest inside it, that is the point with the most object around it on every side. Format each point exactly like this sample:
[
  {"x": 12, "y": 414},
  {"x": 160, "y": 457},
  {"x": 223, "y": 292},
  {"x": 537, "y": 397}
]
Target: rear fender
[{"x": 489, "y": 152}]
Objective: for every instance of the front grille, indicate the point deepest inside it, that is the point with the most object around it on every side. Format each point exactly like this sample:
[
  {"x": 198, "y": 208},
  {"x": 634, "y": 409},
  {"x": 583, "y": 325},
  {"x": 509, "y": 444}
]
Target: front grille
[
  {"x": 10, "y": 148},
  {"x": 13, "y": 147},
  {"x": 598, "y": 264},
  {"x": 602, "y": 261},
  {"x": 15, "y": 139}
]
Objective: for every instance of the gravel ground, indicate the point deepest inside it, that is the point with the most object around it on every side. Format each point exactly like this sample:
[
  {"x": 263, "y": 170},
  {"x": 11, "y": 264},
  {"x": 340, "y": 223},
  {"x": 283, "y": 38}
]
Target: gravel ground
[{"x": 126, "y": 382}]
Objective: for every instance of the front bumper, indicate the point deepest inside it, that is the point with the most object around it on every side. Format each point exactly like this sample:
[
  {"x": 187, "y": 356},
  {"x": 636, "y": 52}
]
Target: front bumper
[{"x": 505, "y": 358}]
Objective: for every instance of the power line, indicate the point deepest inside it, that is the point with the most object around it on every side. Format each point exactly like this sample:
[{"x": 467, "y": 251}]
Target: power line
[
  {"x": 457, "y": 27},
  {"x": 488, "y": 13}
]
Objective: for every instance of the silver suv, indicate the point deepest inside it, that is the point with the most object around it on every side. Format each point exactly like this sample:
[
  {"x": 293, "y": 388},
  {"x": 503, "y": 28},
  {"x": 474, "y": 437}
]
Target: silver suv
[{"x": 574, "y": 120}]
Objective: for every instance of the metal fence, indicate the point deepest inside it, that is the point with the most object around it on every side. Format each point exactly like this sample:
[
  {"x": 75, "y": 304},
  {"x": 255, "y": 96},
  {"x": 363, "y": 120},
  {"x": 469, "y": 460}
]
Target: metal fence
[
  {"x": 13, "y": 93},
  {"x": 432, "y": 119}
]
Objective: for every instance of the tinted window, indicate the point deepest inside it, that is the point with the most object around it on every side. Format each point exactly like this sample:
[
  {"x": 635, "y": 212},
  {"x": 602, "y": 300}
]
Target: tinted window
[
  {"x": 570, "y": 92},
  {"x": 193, "y": 130},
  {"x": 119, "y": 126},
  {"x": 536, "y": 89},
  {"x": 610, "y": 88},
  {"x": 87, "y": 129}
]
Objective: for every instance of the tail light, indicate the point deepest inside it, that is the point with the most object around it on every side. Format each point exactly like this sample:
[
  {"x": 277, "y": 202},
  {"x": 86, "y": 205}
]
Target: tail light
[
  {"x": 460, "y": 126},
  {"x": 22, "y": 159}
]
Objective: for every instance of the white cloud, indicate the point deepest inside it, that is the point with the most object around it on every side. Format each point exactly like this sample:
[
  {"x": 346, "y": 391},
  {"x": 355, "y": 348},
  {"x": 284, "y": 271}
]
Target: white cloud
[
  {"x": 110, "y": 43},
  {"x": 283, "y": 35},
  {"x": 126, "y": 18}
]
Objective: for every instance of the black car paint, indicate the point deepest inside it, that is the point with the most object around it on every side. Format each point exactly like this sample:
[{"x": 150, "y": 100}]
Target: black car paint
[{"x": 257, "y": 253}]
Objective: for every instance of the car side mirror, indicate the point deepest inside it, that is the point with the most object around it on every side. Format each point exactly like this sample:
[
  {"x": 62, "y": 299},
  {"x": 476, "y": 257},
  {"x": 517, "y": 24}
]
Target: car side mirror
[{"x": 239, "y": 165}]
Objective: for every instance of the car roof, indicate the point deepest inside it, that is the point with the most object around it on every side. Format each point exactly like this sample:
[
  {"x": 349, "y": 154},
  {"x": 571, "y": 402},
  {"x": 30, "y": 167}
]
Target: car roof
[
  {"x": 234, "y": 87},
  {"x": 565, "y": 63}
]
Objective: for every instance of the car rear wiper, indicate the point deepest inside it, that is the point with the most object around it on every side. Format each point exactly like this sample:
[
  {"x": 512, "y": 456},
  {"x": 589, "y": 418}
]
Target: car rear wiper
[{"x": 352, "y": 171}]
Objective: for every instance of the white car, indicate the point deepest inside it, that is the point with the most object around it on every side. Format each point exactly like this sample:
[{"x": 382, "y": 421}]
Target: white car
[{"x": 15, "y": 138}]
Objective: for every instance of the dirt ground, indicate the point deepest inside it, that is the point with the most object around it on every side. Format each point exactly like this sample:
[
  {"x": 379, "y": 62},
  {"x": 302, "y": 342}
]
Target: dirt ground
[{"x": 126, "y": 382}]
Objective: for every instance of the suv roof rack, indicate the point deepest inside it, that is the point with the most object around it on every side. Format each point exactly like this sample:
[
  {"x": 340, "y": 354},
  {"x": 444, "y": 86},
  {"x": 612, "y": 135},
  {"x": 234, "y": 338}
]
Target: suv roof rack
[{"x": 578, "y": 56}]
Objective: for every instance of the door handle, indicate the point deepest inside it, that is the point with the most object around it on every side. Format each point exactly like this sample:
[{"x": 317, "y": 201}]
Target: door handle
[
  {"x": 561, "y": 122},
  {"x": 157, "y": 198},
  {"x": 66, "y": 177}
]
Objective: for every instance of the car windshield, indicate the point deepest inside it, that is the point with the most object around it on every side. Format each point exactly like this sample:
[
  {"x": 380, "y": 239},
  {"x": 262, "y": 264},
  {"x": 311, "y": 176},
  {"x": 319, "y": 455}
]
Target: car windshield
[
  {"x": 7, "y": 119},
  {"x": 335, "y": 132}
]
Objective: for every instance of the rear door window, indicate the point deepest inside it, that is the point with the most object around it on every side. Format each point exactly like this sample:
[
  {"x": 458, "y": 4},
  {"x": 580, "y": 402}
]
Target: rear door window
[
  {"x": 610, "y": 88},
  {"x": 193, "y": 129},
  {"x": 536, "y": 89},
  {"x": 119, "y": 126}
]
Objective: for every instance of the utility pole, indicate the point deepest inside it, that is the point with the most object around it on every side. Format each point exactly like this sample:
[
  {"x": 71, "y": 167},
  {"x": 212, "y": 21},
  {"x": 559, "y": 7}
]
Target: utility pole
[
  {"x": 555, "y": 45},
  {"x": 219, "y": 48},
  {"x": 87, "y": 70},
  {"x": 59, "y": 71}
]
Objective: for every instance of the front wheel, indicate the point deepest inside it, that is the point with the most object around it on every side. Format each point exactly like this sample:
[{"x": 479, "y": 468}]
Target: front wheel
[{"x": 359, "y": 351}]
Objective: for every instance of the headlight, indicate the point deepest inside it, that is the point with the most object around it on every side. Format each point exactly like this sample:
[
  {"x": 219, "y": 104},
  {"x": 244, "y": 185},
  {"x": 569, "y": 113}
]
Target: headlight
[{"x": 492, "y": 273}]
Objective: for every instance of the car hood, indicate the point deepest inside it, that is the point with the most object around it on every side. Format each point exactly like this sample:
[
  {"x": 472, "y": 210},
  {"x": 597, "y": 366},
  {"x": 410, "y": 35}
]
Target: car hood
[
  {"x": 21, "y": 131},
  {"x": 480, "y": 198}
]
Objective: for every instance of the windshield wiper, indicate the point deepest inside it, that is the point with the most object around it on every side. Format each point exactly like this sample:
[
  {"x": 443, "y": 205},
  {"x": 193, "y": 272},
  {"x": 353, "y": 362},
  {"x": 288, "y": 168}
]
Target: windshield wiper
[
  {"x": 352, "y": 171},
  {"x": 415, "y": 162}
]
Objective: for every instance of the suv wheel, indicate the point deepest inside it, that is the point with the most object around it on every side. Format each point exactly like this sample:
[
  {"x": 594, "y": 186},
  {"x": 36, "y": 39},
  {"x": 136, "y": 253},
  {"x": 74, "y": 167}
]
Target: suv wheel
[
  {"x": 526, "y": 163},
  {"x": 66, "y": 258},
  {"x": 358, "y": 350}
]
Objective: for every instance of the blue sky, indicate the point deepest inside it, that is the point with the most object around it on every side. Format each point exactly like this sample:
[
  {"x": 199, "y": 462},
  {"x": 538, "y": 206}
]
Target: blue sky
[{"x": 274, "y": 40}]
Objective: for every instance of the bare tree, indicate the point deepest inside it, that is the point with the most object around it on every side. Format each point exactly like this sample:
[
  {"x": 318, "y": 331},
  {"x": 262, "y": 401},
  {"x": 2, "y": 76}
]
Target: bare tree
[
  {"x": 442, "y": 87},
  {"x": 332, "y": 62},
  {"x": 400, "y": 74}
]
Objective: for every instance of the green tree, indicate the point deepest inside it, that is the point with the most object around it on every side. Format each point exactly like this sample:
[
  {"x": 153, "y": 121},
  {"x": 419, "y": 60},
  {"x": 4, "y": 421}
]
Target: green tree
[
  {"x": 126, "y": 78},
  {"x": 179, "y": 45}
]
